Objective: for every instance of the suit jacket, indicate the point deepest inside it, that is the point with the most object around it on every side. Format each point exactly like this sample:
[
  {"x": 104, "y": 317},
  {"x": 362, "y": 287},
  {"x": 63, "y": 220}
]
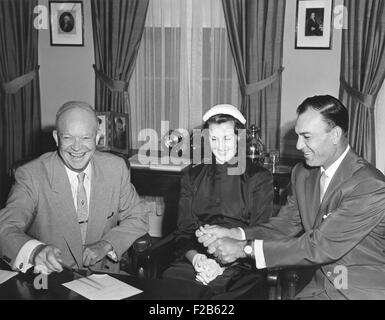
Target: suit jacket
[
  {"x": 347, "y": 229},
  {"x": 40, "y": 206}
]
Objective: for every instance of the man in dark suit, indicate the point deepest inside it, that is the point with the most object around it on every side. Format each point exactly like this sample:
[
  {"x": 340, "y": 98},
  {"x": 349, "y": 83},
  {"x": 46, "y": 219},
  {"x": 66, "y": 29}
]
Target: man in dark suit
[
  {"x": 75, "y": 206},
  {"x": 313, "y": 28},
  {"x": 334, "y": 219}
]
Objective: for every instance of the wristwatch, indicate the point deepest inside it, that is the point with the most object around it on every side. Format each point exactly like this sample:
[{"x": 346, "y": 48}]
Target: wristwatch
[
  {"x": 112, "y": 256},
  {"x": 248, "y": 249}
]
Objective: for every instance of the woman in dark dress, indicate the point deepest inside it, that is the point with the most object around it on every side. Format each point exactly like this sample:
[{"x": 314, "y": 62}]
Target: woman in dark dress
[{"x": 212, "y": 195}]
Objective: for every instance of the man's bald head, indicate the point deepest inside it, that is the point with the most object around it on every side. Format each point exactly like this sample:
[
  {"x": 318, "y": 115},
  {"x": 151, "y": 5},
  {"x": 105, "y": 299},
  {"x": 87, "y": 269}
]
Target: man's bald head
[
  {"x": 76, "y": 134},
  {"x": 76, "y": 105}
]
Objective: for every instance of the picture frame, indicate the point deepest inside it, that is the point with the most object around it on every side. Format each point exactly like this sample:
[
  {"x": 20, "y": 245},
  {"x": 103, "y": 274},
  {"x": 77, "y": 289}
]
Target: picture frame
[
  {"x": 66, "y": 23},
  {"x": 314, "y": 24},
  {"x": 104, "y": 127},
  {"x": 119, "y": 136}
]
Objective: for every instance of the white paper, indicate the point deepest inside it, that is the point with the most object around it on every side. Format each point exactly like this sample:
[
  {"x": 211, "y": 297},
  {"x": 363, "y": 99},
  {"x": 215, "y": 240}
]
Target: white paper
[
  {"x": 110, "y": 289},
  {"x": 6, "y": 275}
]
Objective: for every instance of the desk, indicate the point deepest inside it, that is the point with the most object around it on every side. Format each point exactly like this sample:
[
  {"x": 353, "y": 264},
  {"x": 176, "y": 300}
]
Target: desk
[
  {"x": 21, "y": 287},
  {"x": 166, "y": 184}
]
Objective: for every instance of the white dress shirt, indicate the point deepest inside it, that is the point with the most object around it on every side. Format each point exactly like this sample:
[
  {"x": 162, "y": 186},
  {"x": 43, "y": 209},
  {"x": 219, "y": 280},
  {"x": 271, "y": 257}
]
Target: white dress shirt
[
  {"x": 23, "y": 257},
  {"x": 260, "y": 261}
]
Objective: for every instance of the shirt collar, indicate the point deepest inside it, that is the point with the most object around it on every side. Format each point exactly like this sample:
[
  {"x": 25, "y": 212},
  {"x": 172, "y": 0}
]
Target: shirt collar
[
  {"x": 72, "y": 175},
  {"x": 333, "y": 168}
]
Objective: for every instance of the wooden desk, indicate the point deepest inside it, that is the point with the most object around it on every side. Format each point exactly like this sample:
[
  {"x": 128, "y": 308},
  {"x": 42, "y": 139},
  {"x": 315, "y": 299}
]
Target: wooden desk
[
  {"x": 166, "y": 184},
  {"x": 21, "y": 287}
]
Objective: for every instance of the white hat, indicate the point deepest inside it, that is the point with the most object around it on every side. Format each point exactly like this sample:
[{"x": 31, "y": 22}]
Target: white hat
[{"x": 224, "y": 109}]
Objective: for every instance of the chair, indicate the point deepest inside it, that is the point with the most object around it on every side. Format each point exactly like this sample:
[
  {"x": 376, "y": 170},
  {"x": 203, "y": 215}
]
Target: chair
[{"x": 151, "y": 262}]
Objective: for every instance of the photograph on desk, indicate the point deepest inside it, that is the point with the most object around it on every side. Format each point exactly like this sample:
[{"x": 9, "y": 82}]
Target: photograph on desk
[
  {"x": 104, "y": 128},
  {"x": 119, "y": 132}
]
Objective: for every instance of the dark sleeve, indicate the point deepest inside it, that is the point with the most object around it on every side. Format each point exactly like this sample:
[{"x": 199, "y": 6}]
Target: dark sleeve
[
  {"x": 187, "y": 223},
  {"x": 286, "y": 224},
  {"x": 262, "y": 197}
]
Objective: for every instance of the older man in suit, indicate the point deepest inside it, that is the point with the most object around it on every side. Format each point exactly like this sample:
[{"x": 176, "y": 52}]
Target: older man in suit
[
  {"x": 75, "y": 206},
  {"x": 334, "y": 219}
]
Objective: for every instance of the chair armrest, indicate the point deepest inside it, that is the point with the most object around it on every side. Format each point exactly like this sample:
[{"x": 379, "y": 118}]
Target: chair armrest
[
  {"x": 283, "y": 283},
  {"x": 291, "y": 278},
  {"x": 274, "y": 284},
  {"x": 150, "y": 256}
]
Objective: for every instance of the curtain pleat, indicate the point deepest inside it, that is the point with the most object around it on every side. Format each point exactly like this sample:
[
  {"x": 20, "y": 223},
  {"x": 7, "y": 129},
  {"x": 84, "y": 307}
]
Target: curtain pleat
[
  {"x": 255, "y": 31},
  {"x": 20, "y": 120},
  {"x": 380, "y": 129},
  {"x": 363, "y": 71},
  {"x": 117, "y": 29}
]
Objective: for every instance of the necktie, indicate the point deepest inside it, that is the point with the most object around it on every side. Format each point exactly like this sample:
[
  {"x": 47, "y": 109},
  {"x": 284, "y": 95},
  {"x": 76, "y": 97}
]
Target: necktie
[
  {"x": 322, "y": 185},
  {"x": 82, "y": 210}
]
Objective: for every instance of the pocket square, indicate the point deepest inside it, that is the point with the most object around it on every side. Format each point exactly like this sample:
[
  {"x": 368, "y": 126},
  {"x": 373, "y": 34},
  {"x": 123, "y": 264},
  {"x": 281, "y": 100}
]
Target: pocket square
[{"x": 326, "y": 215}]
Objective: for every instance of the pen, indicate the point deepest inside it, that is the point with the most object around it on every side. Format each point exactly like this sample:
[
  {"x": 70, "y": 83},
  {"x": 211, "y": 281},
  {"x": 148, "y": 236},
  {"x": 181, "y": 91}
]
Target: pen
[{"x": 83, "y": 278}]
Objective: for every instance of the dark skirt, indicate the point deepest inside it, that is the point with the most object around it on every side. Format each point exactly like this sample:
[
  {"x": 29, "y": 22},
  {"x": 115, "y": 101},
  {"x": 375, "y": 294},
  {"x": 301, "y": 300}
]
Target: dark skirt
[{"x": 238, "y": 281}]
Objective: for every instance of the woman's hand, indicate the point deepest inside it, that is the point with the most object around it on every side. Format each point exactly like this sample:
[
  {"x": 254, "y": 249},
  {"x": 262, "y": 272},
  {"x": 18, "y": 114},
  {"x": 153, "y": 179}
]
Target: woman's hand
[{"x": 209, "y": 270}]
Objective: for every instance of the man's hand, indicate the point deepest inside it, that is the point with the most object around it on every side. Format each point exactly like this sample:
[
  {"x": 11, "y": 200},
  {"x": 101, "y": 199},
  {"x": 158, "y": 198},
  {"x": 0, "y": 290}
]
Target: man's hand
[
  {"x": 95, "y": 252},
  {"x": 227, "y": 250},
  {"x": 208, "y": 234},
  {"x": 46, "y": 259}
]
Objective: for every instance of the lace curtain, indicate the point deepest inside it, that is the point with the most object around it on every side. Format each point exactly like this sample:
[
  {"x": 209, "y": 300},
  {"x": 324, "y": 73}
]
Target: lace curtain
[{"x": 184, "y": 66}]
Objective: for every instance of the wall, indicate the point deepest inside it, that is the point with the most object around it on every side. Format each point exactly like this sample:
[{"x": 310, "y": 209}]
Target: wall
[
  {"x": 307, "y": 73},
  {"x": 65, "y": 72}
]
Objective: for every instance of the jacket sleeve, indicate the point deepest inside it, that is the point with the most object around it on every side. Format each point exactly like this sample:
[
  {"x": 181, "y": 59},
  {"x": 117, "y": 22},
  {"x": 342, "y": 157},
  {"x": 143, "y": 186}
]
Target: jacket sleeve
[
  {"x": 286, "y": 224},
  {"x": 133, "y": 216},
  {"x": 360, "y": 210},
  {"x": 262, "y": 197},
  {"x": 17, "y": 215},
  {"x": 187, "y": 223}
]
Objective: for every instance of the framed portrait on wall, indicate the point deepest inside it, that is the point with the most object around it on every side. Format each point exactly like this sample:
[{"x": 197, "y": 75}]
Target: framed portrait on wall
[
  {"x": 104, "y": 127},
  {"x": 313, "y": 24},
  {"x": 119, "y": 132},
  {"x": 66, "y": 23}
]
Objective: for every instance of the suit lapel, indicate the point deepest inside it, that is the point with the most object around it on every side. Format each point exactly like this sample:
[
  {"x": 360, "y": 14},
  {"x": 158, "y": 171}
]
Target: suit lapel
[
  {"x": 343, "y": 173},
  {"x": 312, "y": 192},
  {"x": 64, "y": 209},
  {"x": 99, "y": 203}
]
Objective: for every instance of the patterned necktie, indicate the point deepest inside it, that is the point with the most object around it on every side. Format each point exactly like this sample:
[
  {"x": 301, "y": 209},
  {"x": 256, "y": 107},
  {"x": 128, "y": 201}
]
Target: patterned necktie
[
  {"x": 82, "y": 210},
  {"x": 322, "y": 184}
]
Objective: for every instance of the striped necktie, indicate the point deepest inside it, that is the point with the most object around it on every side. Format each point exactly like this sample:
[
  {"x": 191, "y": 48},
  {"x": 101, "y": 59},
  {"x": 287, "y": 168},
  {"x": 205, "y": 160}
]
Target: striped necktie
[
  {"x": 322, "y": 185},
  {"x": 82, "y": 206}
]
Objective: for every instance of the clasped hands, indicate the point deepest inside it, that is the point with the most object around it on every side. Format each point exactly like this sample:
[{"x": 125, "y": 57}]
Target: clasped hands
[
  {"x": 225, "y": 244},
  {"x": 47, "y": 259},
  {"x": 207, "y": 269}
]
